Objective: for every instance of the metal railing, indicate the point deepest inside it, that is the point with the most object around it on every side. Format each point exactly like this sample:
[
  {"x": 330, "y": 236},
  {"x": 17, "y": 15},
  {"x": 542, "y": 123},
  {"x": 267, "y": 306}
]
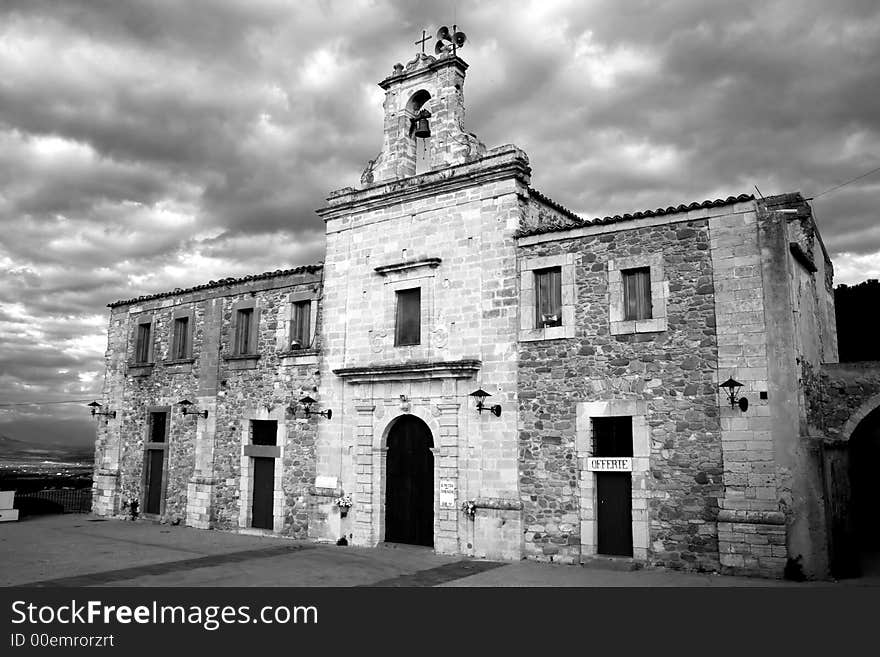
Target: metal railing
[{"x": 60, "y": 500}]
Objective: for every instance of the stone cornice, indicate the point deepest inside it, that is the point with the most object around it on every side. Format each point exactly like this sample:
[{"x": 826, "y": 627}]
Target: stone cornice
[
  {"x": 424, "y": 70},
  {"x": 498, "y": 164},
  {"x": 456, "y": 369},
  {"x": 410, "y": 264}
]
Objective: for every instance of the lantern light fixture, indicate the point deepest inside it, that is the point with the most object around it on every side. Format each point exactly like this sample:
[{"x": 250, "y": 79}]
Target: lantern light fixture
[
  {"x": 480, "y": 396},
  {"x": 306, "y": 402},
  {"x": 732, "y": 388},
  {"x": 185, "y": 409},
  {"x": 95, "y": 407}
]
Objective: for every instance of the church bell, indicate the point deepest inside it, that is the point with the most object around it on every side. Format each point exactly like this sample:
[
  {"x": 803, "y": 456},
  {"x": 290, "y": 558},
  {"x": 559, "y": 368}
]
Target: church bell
[{"x": 422, "y": 126}]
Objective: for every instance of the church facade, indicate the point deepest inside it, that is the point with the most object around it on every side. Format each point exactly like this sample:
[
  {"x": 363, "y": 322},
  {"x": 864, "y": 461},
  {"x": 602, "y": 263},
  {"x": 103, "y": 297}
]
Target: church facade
[{"x": 337, "y": 400}]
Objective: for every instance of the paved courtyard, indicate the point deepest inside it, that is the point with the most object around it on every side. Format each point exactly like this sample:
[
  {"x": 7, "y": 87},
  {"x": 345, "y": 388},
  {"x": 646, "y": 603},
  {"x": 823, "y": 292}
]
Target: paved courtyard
[{"x": 81, "y": 550}]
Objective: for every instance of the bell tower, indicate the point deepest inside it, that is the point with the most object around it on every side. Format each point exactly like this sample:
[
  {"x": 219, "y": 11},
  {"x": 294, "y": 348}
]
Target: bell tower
[{"x": 424, "y": 116}]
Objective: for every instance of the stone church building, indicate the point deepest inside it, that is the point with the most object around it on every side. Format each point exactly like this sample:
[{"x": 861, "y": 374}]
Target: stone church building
[{"x": 599, "y": 345}]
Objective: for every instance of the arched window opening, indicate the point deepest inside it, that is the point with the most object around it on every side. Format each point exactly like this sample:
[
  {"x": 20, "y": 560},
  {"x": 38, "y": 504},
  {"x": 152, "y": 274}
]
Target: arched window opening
[{"x": 420, "y": 128}]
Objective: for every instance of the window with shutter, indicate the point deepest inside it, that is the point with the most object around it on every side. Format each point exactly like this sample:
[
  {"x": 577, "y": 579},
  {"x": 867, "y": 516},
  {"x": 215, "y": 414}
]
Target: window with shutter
[
  {"x": 142, "y": 345},
  {"x": 300, "y": 326},
  {"x": 181, "y": 339},
  {"x": 548, "y": 297},
  {"x": 637, "y": 293},
  {"x": 244, "y": 331},
  {"x": 408, "y": 319}
]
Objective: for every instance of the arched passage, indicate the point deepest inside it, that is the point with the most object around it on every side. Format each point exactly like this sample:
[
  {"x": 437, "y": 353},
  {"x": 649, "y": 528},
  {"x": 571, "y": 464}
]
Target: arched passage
[
  {"x": 853, "y": 499},
  {"x": 864, "y": 456},
  {"x": 409, "y": 483}
]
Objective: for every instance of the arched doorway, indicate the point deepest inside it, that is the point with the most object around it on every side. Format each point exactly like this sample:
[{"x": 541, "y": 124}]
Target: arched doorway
[
  {"x": 409, "y": 487},
  {"x": 853, "y": 500},
  {"x": 864, "y": 456}
]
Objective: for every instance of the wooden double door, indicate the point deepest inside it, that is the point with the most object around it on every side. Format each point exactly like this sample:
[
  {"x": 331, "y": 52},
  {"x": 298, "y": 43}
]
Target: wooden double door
[{"x": 409, "y": 490}]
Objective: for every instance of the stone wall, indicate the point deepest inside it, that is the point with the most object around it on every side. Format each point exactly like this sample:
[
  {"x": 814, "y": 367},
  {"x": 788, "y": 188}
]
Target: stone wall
[
  {"x": 449, "y": 233},
  {"x": 671, "y": 372},
  {"x": 205, "y": 455}
]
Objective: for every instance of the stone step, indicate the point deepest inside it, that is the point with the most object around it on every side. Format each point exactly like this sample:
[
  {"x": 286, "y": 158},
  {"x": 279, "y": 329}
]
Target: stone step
[{"x": 611, "y": 563}]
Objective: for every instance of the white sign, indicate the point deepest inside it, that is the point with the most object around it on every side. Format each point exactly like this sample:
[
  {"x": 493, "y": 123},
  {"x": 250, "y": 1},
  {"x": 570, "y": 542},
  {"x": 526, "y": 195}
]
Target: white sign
[
  {"x": 447, "y": 493},
  {"x": 609, "y": 464},
  {"x": 323, "y": 481}
]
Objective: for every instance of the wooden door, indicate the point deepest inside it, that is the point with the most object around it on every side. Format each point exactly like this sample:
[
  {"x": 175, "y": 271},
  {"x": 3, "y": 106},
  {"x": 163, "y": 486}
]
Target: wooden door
[
  {"x": 264, "y": 493},
  {"x": 155, "y": 466},
  {"x": 614, "y": 515},
  {"x": 612, "y": 436},
  {"x": 843, "y": 548},
  {"x": 155, "y": 449},
  {"x": 409, "y": 491}
]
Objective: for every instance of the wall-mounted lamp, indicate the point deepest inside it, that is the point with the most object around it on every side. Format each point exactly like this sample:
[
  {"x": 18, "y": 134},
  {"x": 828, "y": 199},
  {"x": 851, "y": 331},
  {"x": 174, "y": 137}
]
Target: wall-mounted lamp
[
  {"x": 186, "y": 410},
  {"x": 306, "y": 402},
  {"x": 481, "y": 395},
  {"x": 95, "y": 406},
  {"x": 732, "y": 388}
]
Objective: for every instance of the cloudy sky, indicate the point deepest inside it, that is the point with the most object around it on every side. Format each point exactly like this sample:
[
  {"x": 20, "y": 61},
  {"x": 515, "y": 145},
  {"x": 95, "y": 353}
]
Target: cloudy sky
[{"x": 148, "y": 145}]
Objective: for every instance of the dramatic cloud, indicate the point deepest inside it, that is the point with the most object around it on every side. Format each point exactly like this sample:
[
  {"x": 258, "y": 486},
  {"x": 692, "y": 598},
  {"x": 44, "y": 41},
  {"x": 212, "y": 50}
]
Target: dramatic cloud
[{"x": 151, "y": 145}]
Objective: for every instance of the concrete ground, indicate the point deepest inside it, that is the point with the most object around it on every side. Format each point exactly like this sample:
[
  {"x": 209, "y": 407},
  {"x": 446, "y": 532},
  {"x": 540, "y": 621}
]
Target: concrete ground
[{"x": 81, "y": 550}]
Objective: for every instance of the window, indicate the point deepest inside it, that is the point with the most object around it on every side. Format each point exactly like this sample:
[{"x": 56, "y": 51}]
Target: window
[
  {"x": 264, "y": 432},
  {"x": 300, "y": 325},
  {"x": 142, "y": 344},
  {"x": 158, "y": 423},
  {"x": 547, "y": 294},
  {"x": 408, "y": 321},
  {"x": 180, "y": 344},
  {"x": 637, "y": 293},
  {"x": 548, "y": 297},
  {"x": 244, "y": 332}
]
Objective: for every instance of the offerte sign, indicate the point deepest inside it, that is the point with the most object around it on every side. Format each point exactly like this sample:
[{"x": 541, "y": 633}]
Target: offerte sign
[{"x": 609, "y": 464}]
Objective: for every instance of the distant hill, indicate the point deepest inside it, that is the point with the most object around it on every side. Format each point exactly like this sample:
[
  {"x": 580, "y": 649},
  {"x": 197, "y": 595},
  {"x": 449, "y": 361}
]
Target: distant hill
[{"x": 13, "y": 449}]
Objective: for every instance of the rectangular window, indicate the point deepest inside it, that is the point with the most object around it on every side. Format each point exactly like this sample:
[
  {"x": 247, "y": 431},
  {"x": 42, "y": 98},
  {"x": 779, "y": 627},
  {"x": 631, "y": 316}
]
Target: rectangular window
[
  {"x": 157, "y": 427},
  {"x": 409, "y": 315},
  {"x": 264, "y": 432},
  {"x": 637, "y": 293},
  {"x": 244, "y": 331},
  {"x": 300, "y": 325},
  {"x": 181, "y": 340},
  {"x": 142, "y": 345},
  {"x": 548, "y": 297}
]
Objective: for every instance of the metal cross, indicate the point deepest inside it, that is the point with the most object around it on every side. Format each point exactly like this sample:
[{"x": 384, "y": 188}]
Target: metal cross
[{"x": 424, "y": 38}]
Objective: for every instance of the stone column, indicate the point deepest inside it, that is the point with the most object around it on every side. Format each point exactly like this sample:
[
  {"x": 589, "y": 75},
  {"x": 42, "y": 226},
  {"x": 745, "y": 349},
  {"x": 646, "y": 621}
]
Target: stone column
[
  {"x": 364, "y": 522},
  {"x": 448, "y": 521},
  {"x": 200, "y": 487}
]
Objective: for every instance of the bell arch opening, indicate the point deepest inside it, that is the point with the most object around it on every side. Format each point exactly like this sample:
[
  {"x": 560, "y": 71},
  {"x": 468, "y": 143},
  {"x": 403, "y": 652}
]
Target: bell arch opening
[{"x": 420, "y": 129}]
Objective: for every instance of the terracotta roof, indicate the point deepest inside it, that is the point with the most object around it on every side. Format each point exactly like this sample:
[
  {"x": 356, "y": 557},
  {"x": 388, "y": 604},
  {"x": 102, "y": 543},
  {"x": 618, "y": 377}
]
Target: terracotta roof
[
  {"x": 223, "y": 281},
  {"x": 578, "y": 221}
]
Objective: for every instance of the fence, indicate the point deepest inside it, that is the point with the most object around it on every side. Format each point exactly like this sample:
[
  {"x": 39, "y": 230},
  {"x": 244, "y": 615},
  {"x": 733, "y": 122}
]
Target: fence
[{"x": 62, "y": 500}]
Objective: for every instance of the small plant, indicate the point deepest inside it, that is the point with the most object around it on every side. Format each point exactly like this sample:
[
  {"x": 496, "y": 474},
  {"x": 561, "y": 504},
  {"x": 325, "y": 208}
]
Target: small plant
[
  {"x": 131, "y": 505},
  {"x": 470, "y": 508},
  {"x": 344, "y": 503}
]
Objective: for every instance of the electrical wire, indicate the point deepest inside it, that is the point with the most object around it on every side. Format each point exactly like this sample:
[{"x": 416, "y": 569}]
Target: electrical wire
[
  {"x": 44, "y": 403},
  {"x": 844, "y": 184}
]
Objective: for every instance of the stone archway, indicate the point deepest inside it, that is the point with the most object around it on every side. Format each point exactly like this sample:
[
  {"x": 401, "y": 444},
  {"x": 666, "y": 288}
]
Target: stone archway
[
  {"x": 852, "y": 499},
  {"x": 864, "y": 455},
  {"x": 409, "y": 483}
]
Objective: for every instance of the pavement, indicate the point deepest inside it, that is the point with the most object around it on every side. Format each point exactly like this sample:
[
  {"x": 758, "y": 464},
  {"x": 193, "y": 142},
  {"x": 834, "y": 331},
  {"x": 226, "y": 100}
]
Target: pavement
[{"x": 82, "y": 550}]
